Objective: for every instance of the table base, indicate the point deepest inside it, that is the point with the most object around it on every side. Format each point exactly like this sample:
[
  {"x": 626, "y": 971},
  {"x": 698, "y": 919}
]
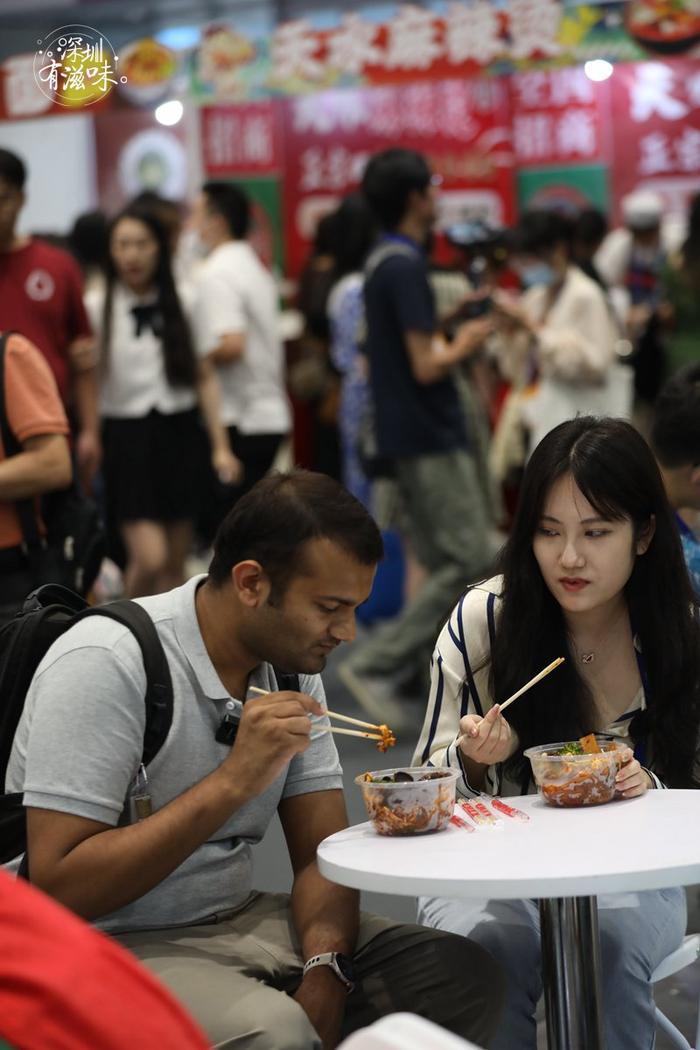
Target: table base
[{"x": 571, "y": 973}]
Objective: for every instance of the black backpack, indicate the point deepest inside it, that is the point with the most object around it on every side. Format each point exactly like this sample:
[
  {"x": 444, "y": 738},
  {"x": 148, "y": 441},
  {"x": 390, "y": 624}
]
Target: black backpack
[
  {"x": 72, "y": 550},
  {"x": 47, "y": 613}
]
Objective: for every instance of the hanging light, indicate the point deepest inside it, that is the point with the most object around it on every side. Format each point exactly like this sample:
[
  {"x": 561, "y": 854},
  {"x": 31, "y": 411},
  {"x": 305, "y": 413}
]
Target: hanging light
[
  {"x": 170, "y": 113},
  {"x": 598, "y": 69}
]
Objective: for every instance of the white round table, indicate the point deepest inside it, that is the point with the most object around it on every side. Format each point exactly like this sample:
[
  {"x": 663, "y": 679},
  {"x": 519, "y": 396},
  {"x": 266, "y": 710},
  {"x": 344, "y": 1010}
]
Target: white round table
[{"x": 563, "y": 857}]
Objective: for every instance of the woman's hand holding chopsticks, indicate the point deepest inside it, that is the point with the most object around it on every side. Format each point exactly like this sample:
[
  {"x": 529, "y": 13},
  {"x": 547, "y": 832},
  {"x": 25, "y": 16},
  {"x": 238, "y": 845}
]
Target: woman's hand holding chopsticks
[{"x": 487, "y": 740}]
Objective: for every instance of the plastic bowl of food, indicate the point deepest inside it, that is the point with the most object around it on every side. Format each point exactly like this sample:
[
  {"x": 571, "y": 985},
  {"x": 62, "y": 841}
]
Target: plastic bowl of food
[
  {"x": 409, "y": 801},
  {"x": 568, "y": 775}
]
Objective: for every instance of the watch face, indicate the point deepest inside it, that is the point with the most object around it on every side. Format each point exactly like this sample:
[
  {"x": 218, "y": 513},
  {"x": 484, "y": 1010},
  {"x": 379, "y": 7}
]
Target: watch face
[{"x": 345, "y": 966}]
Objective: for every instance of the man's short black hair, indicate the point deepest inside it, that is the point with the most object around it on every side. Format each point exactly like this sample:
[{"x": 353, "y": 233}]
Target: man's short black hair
[
  {"x": 12, "y": 169},
  {"x": 232, "y": 204},
  {"x": 389, "y": 179},
  {"x": 281, "y": 513},
  {"x": 540, "y": 230},
  {"x": 675, "y": 432}
]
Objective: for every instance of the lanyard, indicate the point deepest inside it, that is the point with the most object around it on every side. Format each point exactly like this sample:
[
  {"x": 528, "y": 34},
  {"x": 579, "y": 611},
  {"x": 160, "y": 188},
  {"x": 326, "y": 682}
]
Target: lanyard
[{"x": 640, "y": 750}]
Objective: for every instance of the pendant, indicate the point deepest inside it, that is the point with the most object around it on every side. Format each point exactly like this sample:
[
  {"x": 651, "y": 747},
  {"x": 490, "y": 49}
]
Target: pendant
[{"x": 587, "y": 658}]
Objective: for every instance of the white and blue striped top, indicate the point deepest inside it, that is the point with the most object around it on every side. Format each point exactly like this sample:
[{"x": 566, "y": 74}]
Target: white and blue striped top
[{"x": 459, "y": 686}]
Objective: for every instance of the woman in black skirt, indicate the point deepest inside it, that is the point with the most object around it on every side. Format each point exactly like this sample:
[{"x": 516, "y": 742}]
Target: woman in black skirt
[{"x": 152, "y": 390}]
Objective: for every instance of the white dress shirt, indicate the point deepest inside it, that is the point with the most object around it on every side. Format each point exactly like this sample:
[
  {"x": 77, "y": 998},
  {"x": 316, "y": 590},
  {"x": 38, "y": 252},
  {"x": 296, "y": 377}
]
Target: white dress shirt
[
  {"x": 234, "y": 293},
  {"x": 134, "y": 381}
]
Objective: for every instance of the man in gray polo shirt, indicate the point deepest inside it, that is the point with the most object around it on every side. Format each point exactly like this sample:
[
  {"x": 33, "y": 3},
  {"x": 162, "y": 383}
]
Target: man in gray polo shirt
[{"x": 292, "y": 562}]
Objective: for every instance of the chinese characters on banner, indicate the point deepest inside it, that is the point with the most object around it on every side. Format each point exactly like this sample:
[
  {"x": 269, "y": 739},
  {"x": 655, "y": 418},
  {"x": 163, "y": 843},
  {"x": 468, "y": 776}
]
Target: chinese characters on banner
[
  {"x": 558, "y": 117},
  {"x": 241, "y": 139},
  {"x": 656, "y": 108},
  {"x": 462, "y": 126},
  {"x": 416, "y": 43}
]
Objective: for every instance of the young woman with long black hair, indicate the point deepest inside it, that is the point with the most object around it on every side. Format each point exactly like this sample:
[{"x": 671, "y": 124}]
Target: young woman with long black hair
[
  {"x": 152, "y": 387},
  {"x": 593, "y": 571}
]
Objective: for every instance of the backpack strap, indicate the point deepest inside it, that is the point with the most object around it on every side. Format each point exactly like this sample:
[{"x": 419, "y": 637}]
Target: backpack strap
[
  {"x": 287, "y": 681},
  {"x": 385, "y": 250},
  {"x": 159, "y": 684}
]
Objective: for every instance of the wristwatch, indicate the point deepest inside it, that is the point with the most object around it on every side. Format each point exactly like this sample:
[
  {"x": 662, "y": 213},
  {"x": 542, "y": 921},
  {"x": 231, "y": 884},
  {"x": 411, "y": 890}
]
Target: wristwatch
[{"x": 341, "y": 965}]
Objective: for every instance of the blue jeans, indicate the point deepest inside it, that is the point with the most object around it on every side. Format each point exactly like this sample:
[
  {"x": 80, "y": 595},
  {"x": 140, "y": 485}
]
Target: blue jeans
[{"x": 637, "y": 931}]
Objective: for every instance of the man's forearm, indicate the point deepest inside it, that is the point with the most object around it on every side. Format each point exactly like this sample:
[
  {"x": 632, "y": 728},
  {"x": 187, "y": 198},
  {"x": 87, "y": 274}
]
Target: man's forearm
[
  {"x": 112, "y": 868},
  {"x": 32, "y": 473},
  {"x": 209, "y": 394},
  {"x": 85, "y": 397},
  {"x": 326, "y": 916}
]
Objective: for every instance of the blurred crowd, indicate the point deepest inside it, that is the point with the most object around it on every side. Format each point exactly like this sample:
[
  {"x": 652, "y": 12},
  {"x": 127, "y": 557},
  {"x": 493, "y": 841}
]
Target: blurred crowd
[{"x": 186, "y": 369}]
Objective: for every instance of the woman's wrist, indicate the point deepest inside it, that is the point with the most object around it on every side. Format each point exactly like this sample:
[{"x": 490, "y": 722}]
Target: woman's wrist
[{"x": 650, "y": 778}]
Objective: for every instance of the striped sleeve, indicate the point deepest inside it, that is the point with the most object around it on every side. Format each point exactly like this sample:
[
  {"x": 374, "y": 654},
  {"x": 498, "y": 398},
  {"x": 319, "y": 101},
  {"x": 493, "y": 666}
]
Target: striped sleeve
[
  {"x": 458, "y": 687},
  {"x": 653, "y": 777}
]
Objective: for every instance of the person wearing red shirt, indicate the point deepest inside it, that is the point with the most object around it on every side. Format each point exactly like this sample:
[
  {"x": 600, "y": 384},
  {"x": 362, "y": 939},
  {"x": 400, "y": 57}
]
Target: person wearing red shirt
[
  {"x": 65, "y": 986},
  {"x": 41, "y": 298}
]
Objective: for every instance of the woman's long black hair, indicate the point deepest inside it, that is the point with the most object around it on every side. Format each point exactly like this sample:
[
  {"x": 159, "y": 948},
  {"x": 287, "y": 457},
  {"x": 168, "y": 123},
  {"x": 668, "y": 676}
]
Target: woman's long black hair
[
  {"x": 615, "y": 470},
  {"x": 178, "y": 349}
]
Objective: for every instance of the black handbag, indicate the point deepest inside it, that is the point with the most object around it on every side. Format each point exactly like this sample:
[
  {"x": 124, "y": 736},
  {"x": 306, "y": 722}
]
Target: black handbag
[{"x": 71, "y": 550}]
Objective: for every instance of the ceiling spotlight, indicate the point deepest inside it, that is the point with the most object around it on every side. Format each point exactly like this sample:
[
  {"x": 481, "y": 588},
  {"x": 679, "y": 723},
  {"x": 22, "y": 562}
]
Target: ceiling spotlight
[
  {"x": 170, "y": 113},
  {"x": 598, "y": 69}
]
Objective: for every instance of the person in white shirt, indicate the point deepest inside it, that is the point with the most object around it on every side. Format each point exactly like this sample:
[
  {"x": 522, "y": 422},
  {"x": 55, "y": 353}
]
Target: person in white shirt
[
  {"x": 556, "y": 344},
  {"x": 236, "y": 327},
  {"x": 151, "y": 389}
]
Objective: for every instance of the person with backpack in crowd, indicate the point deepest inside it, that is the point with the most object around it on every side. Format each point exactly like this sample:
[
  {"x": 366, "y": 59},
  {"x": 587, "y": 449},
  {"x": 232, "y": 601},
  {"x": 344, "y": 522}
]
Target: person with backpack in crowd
[
  {"x": 161, "y": 857},
  {"x": 419, "y": 427},
  {"x": 675, "y": 439},
  {"x": 354, "y": 229},
  {"x": 152, "y": 387},
  {"x": 41, "y": 298},
  {"x": 33, "y": 420}
]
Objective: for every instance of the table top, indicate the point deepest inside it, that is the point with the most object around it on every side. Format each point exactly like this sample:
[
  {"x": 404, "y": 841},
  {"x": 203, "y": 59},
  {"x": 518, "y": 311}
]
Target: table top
[{"x": 633, "y": 844}]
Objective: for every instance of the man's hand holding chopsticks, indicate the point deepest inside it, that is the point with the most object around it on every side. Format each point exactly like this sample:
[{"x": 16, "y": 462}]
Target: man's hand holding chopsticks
[{"x": 273, "y": 729}]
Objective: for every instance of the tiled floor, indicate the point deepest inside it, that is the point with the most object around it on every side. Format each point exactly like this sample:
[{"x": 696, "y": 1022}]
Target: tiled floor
[{"x": 678, "y": 996}]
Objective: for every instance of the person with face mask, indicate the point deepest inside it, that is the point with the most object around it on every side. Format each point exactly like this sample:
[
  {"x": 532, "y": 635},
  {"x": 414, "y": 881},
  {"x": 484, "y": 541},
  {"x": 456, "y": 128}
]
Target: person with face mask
[{"x": 558, "y": 340}]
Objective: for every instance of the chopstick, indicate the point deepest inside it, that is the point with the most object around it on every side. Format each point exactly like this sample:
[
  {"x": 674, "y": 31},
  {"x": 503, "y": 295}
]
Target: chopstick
[
  {"x": 533, "y": 681},
  {"x": 528, "y": 685},
  {"x": 350, "y": 732},
  {"x": 331, "y": 714}
]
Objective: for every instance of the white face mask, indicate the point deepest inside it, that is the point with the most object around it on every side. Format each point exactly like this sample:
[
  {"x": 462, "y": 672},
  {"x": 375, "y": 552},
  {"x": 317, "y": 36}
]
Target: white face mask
[{"x": 537, "y": 274}]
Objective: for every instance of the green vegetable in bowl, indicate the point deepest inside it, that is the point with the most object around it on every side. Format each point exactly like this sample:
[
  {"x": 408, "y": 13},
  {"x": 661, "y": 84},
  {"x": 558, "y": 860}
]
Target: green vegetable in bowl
[{"x": 574, "y": 748}]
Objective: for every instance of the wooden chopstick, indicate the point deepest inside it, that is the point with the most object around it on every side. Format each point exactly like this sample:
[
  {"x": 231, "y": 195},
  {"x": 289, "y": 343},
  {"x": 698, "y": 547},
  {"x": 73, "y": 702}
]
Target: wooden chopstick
[
  {"x": 351, "y": 732},
  {"x": 533, "y": 681},
  {"x": 331, "y": 714},
  {"x": 528, "y": 685}
]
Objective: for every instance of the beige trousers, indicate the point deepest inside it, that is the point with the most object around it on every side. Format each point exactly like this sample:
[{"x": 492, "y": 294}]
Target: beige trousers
[{"x": 235, "y": 976}]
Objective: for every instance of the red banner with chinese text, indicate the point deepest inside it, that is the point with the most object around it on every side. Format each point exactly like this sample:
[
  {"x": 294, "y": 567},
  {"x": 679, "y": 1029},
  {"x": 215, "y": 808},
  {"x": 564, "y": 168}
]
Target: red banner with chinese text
[
  {"x": 241, "y": 139},
  {"x": 462, "y": 126},
  {"x": 656, "y": 107},
  {"x": 559, "y": 117}
]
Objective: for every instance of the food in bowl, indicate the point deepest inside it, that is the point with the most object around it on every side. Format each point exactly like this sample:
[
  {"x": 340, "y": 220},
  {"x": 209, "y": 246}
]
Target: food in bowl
[
  {"x": 571, "y": 773},
  {"x": 409, "y": 801},
  {"x": 666, "y": 26}
]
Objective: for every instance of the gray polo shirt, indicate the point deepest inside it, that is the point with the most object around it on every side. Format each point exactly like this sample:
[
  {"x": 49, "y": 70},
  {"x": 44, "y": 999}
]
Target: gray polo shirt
[{"x": 79, "y": 742}]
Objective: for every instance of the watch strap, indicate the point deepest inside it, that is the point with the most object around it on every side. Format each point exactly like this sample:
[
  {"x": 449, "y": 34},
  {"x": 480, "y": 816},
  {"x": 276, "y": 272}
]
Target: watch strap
[{"x": 328, "y": 959}]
